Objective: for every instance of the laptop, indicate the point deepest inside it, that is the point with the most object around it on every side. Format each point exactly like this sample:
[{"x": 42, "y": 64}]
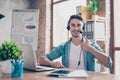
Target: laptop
[{"x": 30, "y": 60}]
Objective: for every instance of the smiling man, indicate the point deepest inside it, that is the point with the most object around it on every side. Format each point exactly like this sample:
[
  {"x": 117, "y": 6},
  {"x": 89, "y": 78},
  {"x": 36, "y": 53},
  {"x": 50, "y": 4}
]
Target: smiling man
[{"x": 78, "y": 52}]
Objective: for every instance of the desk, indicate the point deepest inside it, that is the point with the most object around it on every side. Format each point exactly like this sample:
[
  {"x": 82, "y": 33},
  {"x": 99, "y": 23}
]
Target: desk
[{"x": 42, "y": 76}]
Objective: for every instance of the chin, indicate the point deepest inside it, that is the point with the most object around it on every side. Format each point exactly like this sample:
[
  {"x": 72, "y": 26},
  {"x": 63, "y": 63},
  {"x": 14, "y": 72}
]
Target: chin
[{"x": 75, "y": 36}]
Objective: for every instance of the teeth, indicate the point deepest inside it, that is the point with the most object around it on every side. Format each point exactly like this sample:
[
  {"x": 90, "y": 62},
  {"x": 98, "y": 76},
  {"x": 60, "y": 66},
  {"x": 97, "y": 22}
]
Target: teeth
[{"x": 75, "y": 31}]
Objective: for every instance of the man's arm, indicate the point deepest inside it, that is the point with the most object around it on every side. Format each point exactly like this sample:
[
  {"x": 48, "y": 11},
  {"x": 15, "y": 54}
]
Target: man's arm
[
  {"x": 103, "y": 59},
  {"x": 45, "y": 61}
]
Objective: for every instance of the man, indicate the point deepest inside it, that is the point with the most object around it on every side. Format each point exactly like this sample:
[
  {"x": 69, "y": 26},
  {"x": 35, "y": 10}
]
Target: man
[{"x": 77, "y": 52}]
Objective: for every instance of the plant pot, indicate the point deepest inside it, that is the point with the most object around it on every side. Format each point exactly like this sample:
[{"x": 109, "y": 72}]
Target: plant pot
[
  {"x": 6, "y": 67},
  {"x": 94, "y": 16}
]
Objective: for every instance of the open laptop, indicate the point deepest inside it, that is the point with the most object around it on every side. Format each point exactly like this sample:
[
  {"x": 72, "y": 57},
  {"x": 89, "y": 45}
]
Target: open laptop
[{"x": 30, "y": 60}]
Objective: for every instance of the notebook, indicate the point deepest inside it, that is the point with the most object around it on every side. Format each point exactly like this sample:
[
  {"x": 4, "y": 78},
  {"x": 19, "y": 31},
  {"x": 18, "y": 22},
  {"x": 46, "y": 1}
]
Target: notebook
[
  {"x": 68, "y": 73},
  {"x": 30, "y": 60}
]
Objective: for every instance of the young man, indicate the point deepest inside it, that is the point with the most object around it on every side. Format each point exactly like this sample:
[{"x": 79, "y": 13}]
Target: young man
[{"x": 77, "y": 52}]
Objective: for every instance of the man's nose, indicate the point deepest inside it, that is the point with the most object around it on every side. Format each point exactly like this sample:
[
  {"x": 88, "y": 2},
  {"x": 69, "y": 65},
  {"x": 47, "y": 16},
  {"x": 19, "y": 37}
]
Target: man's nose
[{"x": 76, "y": 27}]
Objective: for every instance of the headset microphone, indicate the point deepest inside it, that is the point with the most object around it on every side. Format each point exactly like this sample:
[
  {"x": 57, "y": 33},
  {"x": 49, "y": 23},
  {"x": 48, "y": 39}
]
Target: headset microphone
[{"x": 81, "y": 32}]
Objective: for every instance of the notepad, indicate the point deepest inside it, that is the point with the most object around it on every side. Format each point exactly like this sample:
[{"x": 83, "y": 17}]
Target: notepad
[{"x": 67, "y": 73}]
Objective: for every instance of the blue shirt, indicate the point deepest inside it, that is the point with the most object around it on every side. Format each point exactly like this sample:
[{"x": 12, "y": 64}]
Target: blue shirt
[{"x": 64, "y": 51}]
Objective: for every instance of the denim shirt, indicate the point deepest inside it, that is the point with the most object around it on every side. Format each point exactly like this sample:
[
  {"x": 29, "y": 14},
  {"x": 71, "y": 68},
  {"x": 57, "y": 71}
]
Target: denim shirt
[{"x": 64, "y": 50}]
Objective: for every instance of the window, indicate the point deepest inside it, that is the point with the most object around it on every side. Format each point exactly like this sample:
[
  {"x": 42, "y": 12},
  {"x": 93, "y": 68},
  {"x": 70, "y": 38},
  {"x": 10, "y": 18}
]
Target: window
[{"x": 61, "y": 13}]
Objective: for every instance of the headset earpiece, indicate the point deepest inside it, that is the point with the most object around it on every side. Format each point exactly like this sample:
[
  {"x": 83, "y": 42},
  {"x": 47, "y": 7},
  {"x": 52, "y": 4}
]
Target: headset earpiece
[
  {"x": 83, "y": 28},
  {"x": 68, "y": 27}
]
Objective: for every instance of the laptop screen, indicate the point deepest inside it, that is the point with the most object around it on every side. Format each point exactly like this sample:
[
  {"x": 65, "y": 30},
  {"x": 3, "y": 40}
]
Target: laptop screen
[{"x": 29, "y": 56}]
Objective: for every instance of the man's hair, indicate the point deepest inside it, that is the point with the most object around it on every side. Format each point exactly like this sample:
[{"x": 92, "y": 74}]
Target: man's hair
[{"x": 75, "y": 16}]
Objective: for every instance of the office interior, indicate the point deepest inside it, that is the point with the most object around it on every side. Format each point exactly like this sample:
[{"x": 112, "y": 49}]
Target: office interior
[{"x": 53, "y": 16}]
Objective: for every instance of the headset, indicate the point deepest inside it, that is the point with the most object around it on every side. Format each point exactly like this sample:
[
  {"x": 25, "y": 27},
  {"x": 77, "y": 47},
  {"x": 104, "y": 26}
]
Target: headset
[{"x": 76, "y": 16}]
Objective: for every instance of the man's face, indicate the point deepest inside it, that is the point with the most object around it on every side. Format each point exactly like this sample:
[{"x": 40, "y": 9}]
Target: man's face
[{"x": 75, "y": 27}]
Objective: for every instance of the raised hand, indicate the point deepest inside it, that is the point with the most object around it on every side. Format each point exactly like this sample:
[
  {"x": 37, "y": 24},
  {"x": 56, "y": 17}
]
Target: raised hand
[{"x": 85, "y": 44}]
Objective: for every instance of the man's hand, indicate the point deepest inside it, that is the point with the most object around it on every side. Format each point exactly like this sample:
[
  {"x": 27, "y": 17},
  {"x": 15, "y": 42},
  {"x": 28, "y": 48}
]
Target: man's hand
[
  {"x": 57, "y": 64},
  {"x": 85, "y": 44}
]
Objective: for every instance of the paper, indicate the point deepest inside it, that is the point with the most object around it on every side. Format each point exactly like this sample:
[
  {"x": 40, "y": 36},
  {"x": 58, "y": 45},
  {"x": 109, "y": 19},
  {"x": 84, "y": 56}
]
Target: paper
[{"x": 76, "y": 73}]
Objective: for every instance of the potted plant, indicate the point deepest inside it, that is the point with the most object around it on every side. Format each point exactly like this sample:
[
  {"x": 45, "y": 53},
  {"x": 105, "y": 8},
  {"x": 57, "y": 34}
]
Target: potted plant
[
  {"x": 11, "y": 52},
  {"x": 93, "y": 6}
]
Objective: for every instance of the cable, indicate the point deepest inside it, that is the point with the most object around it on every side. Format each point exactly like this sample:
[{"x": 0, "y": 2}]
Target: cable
[{"x": 79, "y": 61}]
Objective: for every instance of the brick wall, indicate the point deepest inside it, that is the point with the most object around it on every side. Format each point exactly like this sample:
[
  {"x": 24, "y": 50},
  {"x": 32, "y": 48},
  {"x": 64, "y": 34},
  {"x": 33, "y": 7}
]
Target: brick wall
[{"x": 41, "y": 5}]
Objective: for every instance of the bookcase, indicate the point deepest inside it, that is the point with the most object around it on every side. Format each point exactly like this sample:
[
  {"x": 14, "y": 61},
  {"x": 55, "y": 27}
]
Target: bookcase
[{"x": 96, "y": 29}]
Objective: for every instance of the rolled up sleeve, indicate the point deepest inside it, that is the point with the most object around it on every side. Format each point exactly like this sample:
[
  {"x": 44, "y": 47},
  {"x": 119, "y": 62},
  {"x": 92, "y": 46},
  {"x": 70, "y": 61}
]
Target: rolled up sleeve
[{"x": 109, "y": 64}]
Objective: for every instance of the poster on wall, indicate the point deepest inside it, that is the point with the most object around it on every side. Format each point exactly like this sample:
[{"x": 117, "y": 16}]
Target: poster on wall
[{"x": 24, "y": 29}]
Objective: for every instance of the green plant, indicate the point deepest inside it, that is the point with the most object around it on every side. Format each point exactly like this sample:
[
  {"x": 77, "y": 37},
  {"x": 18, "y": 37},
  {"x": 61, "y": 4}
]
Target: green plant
[
  {"x": 10, "y": 50},
  {"x": 93, "y": 6}
]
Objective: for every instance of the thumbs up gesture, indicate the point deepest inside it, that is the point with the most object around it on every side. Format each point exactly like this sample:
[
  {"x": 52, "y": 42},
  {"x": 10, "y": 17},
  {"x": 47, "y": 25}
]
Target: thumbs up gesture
[{"x": 85, "y": 44}]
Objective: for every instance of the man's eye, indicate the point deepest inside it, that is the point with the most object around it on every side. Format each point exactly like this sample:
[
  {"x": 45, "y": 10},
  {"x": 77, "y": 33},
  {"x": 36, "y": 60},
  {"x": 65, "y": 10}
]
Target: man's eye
[
  {"x": 78, "y": 25},
  {"x": 72, "y": 24}
]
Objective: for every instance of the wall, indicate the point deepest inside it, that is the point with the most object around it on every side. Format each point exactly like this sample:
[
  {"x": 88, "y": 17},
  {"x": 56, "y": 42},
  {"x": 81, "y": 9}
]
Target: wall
[
  {"x": 41, "y": 5},
  {"x": 6, "y": 7}
]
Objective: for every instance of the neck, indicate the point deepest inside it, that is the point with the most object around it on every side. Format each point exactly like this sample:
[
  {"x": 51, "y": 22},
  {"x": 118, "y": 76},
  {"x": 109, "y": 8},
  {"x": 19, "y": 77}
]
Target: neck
[{"x": 77, "y": 41}]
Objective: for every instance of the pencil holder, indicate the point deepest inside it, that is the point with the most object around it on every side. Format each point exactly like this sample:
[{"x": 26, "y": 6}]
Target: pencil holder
[{"x": 17, "y": 69}]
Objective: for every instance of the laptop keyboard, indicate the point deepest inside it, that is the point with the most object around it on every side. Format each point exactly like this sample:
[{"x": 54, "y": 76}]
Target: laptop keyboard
[{"x": 43, "y": 67}]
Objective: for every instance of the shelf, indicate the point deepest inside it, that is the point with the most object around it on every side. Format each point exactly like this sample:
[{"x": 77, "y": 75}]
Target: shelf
[{"x": 95, "y": 29}]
